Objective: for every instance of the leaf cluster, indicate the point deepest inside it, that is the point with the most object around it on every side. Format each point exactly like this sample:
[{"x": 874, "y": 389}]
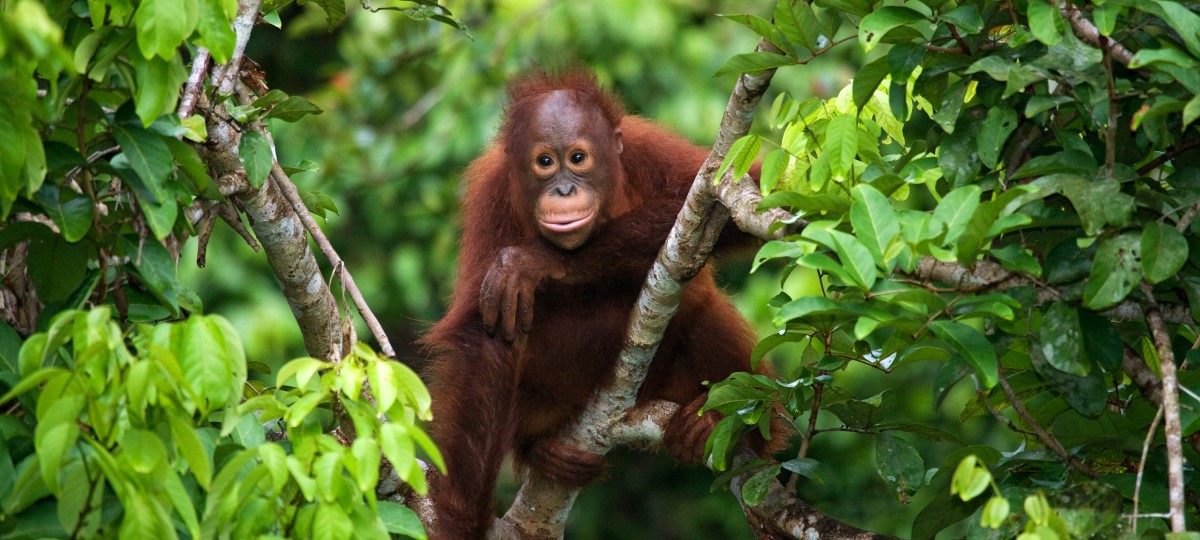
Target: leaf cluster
[
  {"x": 999, "y": 187},
  {"x": 158, "y": 432}
]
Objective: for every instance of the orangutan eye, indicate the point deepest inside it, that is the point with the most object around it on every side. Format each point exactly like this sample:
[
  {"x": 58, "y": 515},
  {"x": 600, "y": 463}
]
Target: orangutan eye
[
  {"x": 578, "y": 157},
  {"x": 545, "y": 160}
]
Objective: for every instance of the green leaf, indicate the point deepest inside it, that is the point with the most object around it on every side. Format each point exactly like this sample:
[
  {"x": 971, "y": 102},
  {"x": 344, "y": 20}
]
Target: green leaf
[
  {"x": 854, "y": 256},
  {"x": 947, "y": 114},
  {"x": 331, "y": 521},
  {"x": 899, "y": 464},
  {"x": 292, "y": 109},
  {"x": 958, "y": 156},
  {"x": 879, "y": 22},
  {"x": 773, "y": 168},
  {"x": 255, "y": 153},
  {"x": 971, "y": 345},
  {"x": 754, "y": 62},
  {"x": 1115, "y": 271},
  {"x": 200, "y": 347},
  {"x": 400, "y": 519},
  {"x": 867, "y": 80},
  {"x": 56, "y": 432},
  {"x": 1164, "y": 251},
  {"x": 1191, "y": 111},
  {"x": 160, "y": 216},
  {"x": 966, "y": 18},
  {"x": 970, "y": 479},
  {"x": 192, "y": 172},
  {"x": 995, "y": 512},
  {"x": 1045, "y": 22},
  {"x": 841, "y": 144},
  {"x": 14, "y": 129},
  {"x": 956, "y": 210},
  {"x": 188, "y": 444},
  {"x": 1061, "y": 339},
  {"x": 1106, "y": 16},
  {"x": 71, "y": 211},
  {"x": 874, "y": 222},
  {"x": 335, "y": 11},
  {"x": 1016, "y": 258},
  {"x": 798, "y": 23},
  {"x": 821, "y": 204},
  {"x": 216, "y": 33},
  {"x": 1086, "y": 394},
  {"x": 148, "y": 156},
  {"x": 162, "y": 26},
  {"x": 62, "y": 266},
  {"x": 741, "y": 157},
  {"x": 764, "y": 28},
  {"x": 1098, "y": 202},
  {"x": 1101, "y": 340},
  {"x": 1185, "y": 22},
  {"x": 398, "y": 448},
  {"x": 999, "y": 124},
  {"x": 754, "y": 491},
  {"x": 809, "y": 468}
]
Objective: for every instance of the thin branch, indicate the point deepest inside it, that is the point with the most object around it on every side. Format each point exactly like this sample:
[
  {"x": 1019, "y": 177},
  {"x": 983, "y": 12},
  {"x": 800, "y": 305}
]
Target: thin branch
[
  {"x": 195, "y": 83},
  {"x": 1037, "y": 428},
  {"x": 293, "y": 196},
  {"x": 1168, "y": 156},
  {"x": 1137, "y": 484},
  {"x": 988, "y": 275},
  {"x": 1086, "y": 31},
  {"x": 1170, "y": 404}
]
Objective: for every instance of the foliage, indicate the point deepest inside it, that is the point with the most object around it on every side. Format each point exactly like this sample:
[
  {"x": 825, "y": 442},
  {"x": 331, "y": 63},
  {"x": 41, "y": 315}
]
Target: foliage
[
  {"x": 999, "y": 188},
  {"x": 156, "y": 432},
  {"x": 117, "y": 422}
]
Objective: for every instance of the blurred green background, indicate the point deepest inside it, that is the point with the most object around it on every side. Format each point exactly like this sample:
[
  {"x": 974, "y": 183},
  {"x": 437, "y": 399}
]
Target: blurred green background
[{"x": 408, "y": 104}]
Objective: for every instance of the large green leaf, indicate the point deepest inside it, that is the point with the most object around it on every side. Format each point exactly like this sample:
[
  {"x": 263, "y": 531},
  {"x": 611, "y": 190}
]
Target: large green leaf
[
  {"x": 216, "y": 34},
  {"x": 1164, "y": 251},
  {"x": 1045, "y": 22},
  {"x": 71, "y": 211},
  {"x": 854, "y": 256},
  {"x": 972, "y": 346},
  {"x": 899, "y": 464},
  {"x": 882, "y": 20},
  {"x": 753, "y": 63},
  {"x": 841, "y": 144},
  {"x": 956, "y": 210},
  {"x": 163, "y": 24},
  {"x": 148, "y": 156},
  {"x": 255, "y": 152},
  {"x": 1116, "y": 270},
  {"x": 874, "y": 222},
  {"x": 1061, "y": 339},
  {"x": 157, "y": 90},
  {"x": 999, "y": 124}
]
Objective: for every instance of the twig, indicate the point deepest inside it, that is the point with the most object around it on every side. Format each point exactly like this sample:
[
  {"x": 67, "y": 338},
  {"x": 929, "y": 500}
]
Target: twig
[
  {"x": 195, "y": 82},
  {"x": 289, "y": 191},
  {"x": 224, "y": 76},
  {"x": 1037, "y": 428},
  {"x": 1147, "y": 382},
  {"x": 1137, "y": 484},
  {"x": 962, "y": 43},
  {"x": 1168, "y": 156},
  {"x": 1110, "y": 137},
  {"x": 1170, "y": 404},
  {"x": 1186, "y": 219},
  {"x": 818, "y": 391}
]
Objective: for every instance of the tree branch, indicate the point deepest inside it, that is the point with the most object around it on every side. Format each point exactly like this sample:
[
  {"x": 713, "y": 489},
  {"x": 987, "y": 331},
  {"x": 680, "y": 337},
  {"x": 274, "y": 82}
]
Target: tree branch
[
  {"x": 293, "y": 196},
  {"x": 1086, "y": 31},
  {"x": 1170, "y": 404},
  {"x": 274, "y": 222},
  {"x": 988, "y": 275}
]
